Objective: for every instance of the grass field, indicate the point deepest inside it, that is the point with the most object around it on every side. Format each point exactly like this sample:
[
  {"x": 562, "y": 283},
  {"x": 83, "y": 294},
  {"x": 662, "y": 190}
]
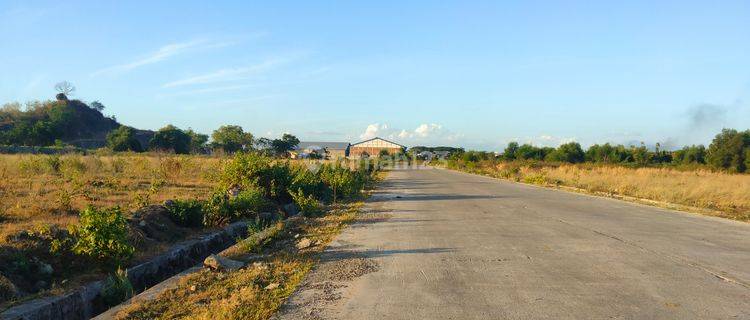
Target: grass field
[
  {"x": 710, "y": 192},
  {"x": 37, "y": 190}
]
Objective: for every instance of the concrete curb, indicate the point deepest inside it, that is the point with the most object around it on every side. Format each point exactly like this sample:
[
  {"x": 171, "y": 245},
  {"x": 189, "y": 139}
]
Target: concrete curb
[
  {"x": 172, "y": 282},
  {"x": 84, "y": 303}
]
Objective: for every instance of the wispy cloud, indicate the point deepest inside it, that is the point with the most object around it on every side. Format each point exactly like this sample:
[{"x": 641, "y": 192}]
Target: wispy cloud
[
  {"x": 228, "y": 74},
  {"x": 162, "y": 54},
  {"x": 424, "y": 133},
  {"x": 208, "y": 90}
]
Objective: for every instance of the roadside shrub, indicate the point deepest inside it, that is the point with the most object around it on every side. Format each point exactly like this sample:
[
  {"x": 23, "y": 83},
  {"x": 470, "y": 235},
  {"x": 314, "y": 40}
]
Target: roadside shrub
[
  {"x": 7, "y": 289},
  {"x": 221, "y": 209},
  {"x": 248, "y": 203},
  {"x": 186, "y": 213},
  {"x": 117, "y": 288},
  {"x": 102, "y": 236},
  {"x": 308, "y": 205},
  {"x": 217, "y": 210},
  {"x": 309, "y": 182},
  {"x": 245, "y": 170}
]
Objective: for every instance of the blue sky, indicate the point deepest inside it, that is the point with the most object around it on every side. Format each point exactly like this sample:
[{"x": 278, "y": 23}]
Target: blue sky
[{"x": 474, "y": 74}]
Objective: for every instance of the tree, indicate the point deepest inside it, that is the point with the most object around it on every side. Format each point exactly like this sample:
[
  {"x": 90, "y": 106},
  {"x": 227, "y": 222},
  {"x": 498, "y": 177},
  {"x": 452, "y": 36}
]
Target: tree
[
  {"x": 231, "y": 138},
  {"x": 171, "y": 138},
  {"x": 568, "y": 152},
  {"x": 64, "y": 89},
  {"x": 282, "y": 146},
  {"x": 729, "y": 150},
  {"x": 123, "y": 139},
  {"x": 197, "y": 140},
  {"x": 690, "y": 154},
  {"x": 96, "y": 105},
  {"x": 510, "y": 151}
]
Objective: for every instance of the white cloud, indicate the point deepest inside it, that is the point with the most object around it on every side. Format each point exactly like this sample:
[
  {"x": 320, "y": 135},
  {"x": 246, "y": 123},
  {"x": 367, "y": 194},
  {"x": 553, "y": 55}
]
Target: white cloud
[
  {"x": 373, "y": 130},
  {"x": 545, "y": 140},
  {"x": 229, "y": 74},
  {"x": 425, "y": 130},
  {"x": 163, "y": 53},
  {"x": 427, "y": 133}
]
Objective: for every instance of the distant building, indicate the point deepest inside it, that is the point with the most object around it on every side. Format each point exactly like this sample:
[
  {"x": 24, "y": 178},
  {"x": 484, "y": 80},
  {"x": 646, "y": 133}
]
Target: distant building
[
  {"x": 328, "y": 150},
  {"x": 373, "y": 147}
]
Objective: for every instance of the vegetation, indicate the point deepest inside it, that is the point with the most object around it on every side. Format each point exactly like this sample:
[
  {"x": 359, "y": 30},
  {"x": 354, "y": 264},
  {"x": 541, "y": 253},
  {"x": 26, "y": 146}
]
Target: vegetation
[
  {"x": 704, "y": 190},
  {"x": 729, "y": 151},
  {"x": 171, "y": 139},
  {"x": 123, "y": 139},
  {"x": 254, "y": 292},
  {"x": 231, "y": 139},
  {"x": 61, "y": 213},
  {"x": 101, "y": 235},
  {"x": 44, "y": 123}
]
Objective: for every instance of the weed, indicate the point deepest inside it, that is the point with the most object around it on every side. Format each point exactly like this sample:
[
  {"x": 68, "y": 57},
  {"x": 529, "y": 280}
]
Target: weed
[
  {"x": 102, "y": 236},
  {"x": 117, "y": 288},
  {"x": 308, "y": 205},
  {"x": 186, "y": 213}
]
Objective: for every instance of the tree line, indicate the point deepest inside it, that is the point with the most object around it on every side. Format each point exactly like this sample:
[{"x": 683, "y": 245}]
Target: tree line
[
  {"x": 729, "y": 150},
  {"x": 228, "y": 139}
]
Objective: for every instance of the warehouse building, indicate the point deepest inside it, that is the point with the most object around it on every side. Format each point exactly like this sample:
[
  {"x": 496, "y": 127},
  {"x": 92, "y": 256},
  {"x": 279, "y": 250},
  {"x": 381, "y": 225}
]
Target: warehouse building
[
  {"x": 374, "y": 147},
  {"x": 328, "y": 150}
]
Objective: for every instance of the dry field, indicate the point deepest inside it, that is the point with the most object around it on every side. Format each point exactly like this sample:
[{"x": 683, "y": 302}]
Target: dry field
[
  {"x": 713, "y": 193},
  {"x": 37, "y": 190}
]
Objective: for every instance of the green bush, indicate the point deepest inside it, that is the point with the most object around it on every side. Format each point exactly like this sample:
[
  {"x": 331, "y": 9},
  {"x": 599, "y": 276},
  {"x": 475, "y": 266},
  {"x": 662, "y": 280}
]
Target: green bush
[
  {"x": 309, "y": 182},
  {"x": 307, "y": 204},
  {"x": 102, "y": 236},
  {"x": 123, "y": 139},
  {"x": 117, "y": 288},
  {"x": 186, "y": 213},
  {"x": 220, "y": 209},
  {"x": 249, "y": 203},
  {"x": 217, "y": 210}
]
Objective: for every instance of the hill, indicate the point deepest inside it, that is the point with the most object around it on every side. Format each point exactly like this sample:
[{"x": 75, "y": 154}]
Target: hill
[{"x": 56, "y": 122}]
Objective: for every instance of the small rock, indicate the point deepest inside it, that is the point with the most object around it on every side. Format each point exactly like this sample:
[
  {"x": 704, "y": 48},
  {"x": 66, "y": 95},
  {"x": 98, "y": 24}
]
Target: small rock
[
  {"x": 260, "y": 265},
  {"x": 272, "y": 286},
  {"x": 234, "y": 191},
  {"x": 304, "y": 243},
  {"x": 296, "y": 236},
  {"x": 291, "y": 209},
  {"x": 142, "y": 223},
  {"x": 219, "y": 263},
  {"x": 40, "y": 285},
  {"x": 45, "y": 268},
  {"x": 7, "y": 289},
  {"x": 193, "y": 288}
]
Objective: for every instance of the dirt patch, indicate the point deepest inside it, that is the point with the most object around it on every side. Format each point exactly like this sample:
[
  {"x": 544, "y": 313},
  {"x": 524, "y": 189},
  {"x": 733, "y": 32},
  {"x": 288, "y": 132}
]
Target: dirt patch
[
  {"x": 347, "y": 269},
  {"x": 152, "y": 224}
]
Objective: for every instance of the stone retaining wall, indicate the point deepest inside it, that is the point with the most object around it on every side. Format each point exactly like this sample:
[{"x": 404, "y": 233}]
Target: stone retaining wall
[{"x": 85, "y": 303}]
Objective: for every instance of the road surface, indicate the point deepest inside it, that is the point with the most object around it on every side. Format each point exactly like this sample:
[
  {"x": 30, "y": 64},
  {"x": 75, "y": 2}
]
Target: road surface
[{"x": 438, "y": 244}]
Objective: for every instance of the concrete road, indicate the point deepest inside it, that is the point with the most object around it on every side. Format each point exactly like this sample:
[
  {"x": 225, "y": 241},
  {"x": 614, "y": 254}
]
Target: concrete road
[{"x": 437, "y": 244}]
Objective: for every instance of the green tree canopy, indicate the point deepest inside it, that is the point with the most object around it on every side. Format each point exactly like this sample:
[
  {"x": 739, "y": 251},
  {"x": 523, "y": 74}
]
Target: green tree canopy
[
  {"x": 231, "y": 138},
  {"x": 568, "y": 152},
  {"x": 197, "y": 140},
  {"x": 729, "y": 150},
  {"x": 123, "y": 139},
  {"x": 171, "y": 138},
  {"x": 510, "y": 151},
  {"x": 282, "y": 146}
]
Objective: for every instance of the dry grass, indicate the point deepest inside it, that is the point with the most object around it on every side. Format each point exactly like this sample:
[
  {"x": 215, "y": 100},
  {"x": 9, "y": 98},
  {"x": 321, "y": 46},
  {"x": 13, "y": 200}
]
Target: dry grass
[
  {"x": 39, "y": 189},
  {"x": 245, "y": 294},
  {"x": 720, "y": 194}
]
